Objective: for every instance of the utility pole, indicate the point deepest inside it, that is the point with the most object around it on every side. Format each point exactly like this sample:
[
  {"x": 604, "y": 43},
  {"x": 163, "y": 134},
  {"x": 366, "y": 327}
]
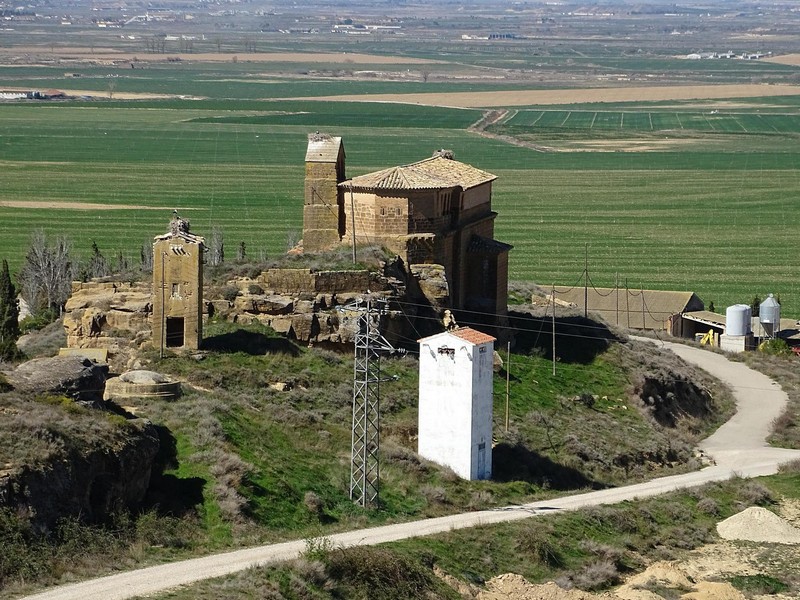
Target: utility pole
[
  {"x": 353, "y": 221},
  {"x": 508, "y": 378},
  {"x": 586, "y": 281},
  {"x": 554, "y": 329},
  {"x": 163, "y": 303},
  {"x": 643, "y": 321},
  {"x": 627, "y": 303},
  {"x": 369, "y": 345}
]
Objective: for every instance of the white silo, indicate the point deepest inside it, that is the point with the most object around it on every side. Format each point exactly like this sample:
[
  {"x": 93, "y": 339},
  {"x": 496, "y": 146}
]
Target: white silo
[
  {"x": 769, "y": 314},
  {"x": 455, "y": 401},
  {"x": 737, "y": 320},
  {"x": 738, "y": 335}
]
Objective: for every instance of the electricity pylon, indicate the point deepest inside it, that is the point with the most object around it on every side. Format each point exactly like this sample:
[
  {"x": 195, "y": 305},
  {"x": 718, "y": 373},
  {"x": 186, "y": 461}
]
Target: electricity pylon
[{"x": 369, "y": 345}]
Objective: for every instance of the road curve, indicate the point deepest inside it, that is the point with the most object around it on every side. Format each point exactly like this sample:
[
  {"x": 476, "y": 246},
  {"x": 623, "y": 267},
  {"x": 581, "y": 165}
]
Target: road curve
[{"x": 738, "y": 448}]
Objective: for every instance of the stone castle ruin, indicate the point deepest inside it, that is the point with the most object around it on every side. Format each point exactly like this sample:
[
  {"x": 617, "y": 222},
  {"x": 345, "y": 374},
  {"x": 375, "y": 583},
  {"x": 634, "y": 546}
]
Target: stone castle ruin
[{"x": 434, "y": 215}]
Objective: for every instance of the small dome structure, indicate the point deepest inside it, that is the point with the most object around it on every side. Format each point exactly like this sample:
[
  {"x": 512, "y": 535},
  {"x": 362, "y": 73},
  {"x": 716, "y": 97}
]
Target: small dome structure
[{"x": 142, "y": 384}]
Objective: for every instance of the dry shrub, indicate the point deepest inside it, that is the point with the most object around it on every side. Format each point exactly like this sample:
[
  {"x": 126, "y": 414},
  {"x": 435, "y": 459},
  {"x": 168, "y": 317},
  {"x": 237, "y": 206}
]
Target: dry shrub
[
  {"x": 790, "y": 467},
  {"x": 404, "y": 457},
  {"x": 708, "y": 506},
  {"x": 480, "y": 500},
  {"x": 604, "y": 552},
  {"x": 784, "y": 423},
  {"x": 434, "y": 494},
  {"x": 536, "y": 540},
  {"x": 379, "y": 574},
  {"x": 313, "y": 503},
  {"x": 596, "y": 575},
  {"x": 753, "y": 493}
]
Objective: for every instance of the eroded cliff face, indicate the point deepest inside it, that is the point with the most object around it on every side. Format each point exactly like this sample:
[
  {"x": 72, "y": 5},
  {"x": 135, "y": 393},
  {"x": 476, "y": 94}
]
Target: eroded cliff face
[{"x": 63, "y": 460}]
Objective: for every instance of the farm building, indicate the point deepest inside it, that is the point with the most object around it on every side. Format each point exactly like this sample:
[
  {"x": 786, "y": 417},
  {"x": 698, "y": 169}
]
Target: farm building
[
  {"x": 653, "y": 310},
  {"x": 434, "y": 211}
]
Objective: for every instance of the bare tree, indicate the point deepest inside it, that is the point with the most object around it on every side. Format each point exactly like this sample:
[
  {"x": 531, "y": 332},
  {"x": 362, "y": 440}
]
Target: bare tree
[
  {"x": 46, "y": 276},
  {"x": 216, "y": 254},
  {"x": 112, "y": 85},
  {"x": 146, "y": 257},
  {"x": 98, "y": 265}
]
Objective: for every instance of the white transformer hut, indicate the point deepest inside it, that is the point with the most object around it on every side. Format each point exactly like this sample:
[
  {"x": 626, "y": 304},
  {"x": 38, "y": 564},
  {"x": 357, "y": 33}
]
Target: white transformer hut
[{"x": 455, "y": 401}]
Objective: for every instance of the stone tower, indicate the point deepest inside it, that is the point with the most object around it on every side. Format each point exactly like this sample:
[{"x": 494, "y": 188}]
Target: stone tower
[
  {"x": 178, "y": 287},
  {"x": 323, "y": 216}
]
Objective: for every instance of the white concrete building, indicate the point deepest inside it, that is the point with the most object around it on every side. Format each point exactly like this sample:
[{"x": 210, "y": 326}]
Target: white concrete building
[{"x": 455, "y": 401}]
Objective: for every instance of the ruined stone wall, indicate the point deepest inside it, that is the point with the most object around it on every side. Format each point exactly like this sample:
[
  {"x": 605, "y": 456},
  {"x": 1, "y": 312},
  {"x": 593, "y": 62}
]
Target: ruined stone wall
[{"x": 297, "y": 281}]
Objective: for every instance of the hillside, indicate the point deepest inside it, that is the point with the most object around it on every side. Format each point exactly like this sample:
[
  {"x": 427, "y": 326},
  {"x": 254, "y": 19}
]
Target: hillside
[{"x": 261, "y": 443}]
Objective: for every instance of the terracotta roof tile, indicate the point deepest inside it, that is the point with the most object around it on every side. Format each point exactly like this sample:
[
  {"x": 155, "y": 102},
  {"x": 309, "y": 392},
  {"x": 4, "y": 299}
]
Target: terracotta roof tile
[
  {"x": 473, "y": 336},
  {"x": 432, "y": 173}
]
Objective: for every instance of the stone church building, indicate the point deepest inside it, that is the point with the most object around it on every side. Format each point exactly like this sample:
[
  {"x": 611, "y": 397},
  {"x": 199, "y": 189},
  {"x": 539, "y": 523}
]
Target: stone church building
[{"x": 434, "y": 211}]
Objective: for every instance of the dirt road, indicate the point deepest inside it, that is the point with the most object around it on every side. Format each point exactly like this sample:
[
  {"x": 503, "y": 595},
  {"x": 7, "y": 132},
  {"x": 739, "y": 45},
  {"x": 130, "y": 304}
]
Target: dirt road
[{"x": 738, "y": 448}]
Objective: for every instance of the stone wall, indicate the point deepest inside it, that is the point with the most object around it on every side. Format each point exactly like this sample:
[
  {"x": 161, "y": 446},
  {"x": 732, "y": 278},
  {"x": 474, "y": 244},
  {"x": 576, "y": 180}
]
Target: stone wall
[{"x": 295, "y": 281}]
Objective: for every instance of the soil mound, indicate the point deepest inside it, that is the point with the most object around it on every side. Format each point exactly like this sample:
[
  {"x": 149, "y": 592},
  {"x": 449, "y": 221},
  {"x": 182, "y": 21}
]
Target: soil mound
[
  {"x": 512, "y": 586},
  {"x": 757, "y": 524}
]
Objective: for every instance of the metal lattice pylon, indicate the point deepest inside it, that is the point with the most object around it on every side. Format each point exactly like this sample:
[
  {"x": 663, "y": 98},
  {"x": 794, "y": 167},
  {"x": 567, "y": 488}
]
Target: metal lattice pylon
[{"x": 369, "y": 344}]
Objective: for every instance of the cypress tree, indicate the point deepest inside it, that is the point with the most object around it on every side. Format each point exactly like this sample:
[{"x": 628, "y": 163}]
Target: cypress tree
[{"x": 9, "y": 316}]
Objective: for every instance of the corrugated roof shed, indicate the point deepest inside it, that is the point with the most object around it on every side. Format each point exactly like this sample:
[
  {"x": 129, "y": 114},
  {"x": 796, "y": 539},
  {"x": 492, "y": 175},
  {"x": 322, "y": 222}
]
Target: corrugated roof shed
[
  {"x": 323, "y": 148},
  {"x": 430, "y": 174},
  {"x": 625, "y": 308}
]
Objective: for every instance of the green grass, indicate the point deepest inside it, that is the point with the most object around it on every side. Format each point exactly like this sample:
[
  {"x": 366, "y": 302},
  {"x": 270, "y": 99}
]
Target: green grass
[{"x": 712, "y": 212}]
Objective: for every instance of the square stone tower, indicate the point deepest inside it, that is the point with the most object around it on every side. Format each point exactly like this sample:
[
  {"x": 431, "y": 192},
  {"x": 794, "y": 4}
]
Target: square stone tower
[
  {"x": 455, "y": 401},
  {"x": 178, "y": 287},
  {"x": 323, "y": 216}
]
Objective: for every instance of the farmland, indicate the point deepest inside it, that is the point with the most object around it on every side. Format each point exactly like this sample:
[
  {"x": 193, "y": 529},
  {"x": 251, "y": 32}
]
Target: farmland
[
  {"x": 715, "y": 221},
  {"x": 673, "y": 174}
]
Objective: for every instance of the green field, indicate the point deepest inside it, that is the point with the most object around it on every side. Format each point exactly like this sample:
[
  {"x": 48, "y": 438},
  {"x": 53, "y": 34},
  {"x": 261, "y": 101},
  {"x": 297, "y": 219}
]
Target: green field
[
  {"x": 649, "y": 121},
  {"x": 717, "y": 216}
]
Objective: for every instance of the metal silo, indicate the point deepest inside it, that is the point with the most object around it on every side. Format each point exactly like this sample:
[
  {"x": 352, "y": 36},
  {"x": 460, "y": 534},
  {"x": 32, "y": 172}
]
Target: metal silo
[{"x": 769, "y": 313}]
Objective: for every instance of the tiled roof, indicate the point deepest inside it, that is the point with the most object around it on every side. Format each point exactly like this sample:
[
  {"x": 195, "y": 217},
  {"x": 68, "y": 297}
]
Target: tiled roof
[
  {"x": 429, "y": 174},
  {"x": 473, "y": 336},
  {"x": 323, "y": 148}
]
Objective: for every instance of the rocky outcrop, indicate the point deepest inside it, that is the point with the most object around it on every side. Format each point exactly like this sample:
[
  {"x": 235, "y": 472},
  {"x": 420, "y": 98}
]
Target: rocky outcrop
[
  {"x": 84, "y": 463},
  {"x": 73, "y": 376},
  {"x": 110, "y": 315},
  {"x": 432, "y": 282}
]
